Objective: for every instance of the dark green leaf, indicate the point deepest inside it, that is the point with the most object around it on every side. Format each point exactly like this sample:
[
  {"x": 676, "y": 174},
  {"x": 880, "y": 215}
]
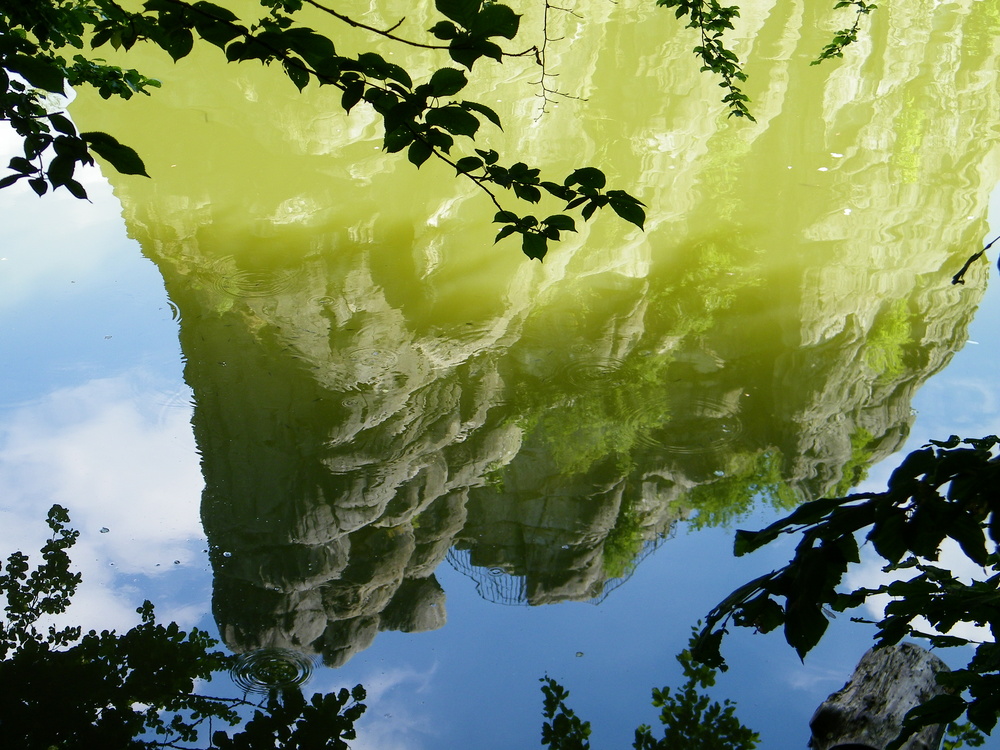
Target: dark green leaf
[
  {"x": 562, "y": 222},
  {"x": 314, "y": 48},
  {"x": 76, "y": 189},
  {"x": 559, "y": 191},
  {"x": 454, "y": 119},
  {"x": 62, "y": 124},
  {"x": 489, "y": 157},
  {"x": 927, "y": 526},
  {"x": 482, "y": 109},
  {"x": 439, "y": 139},
  {"x": 847, "y": 547},
  {"x": 36, "y": 143},
  {"x": 950, "y": 443},
  {"x": 534, "y": 245},
  {"x": 447, "y": 81},
  {"x": 490, "y": 50},
  {"x": 468, "y": 164},
  {"x": 419, "y": 152},
  {"x": 805, "y": 624},
  {"x": 398, "y": 139},
  {"x": 396, "y": 73},
  {"x": 236, "y": 50},
  {"x": 888, "y": 535},
  {"x": 631, "y": 212},
  {"x": 521, "y": 172},
  {"x": 216, "y": 11},
  {"x": 746, "y": 541},
  {"x": 940, "y": 709},
  {"x": 39, "y": 71},
  {"x": 970, "y": 537},
  {"x": 178, "y": 43},
  {"x": 22, "y": 165},
  {"x": 353, "y": 93},
  {"x": 373, "y": 65},
  {"x": 444, "y": 30},
  {"x": 296, "y": 73},
  {"x": 762, "y": 613},
  {"x": 463, "y": 12},
  {"x": 496, "y": 20},
  {"x": 120, "y": 156},
  {"x": 527, "y": 192},
  {"x": 588, "y": 177},
  {"x": 593, "y": 203},
  {"x": 218, "y": 33},
  {"x": 808, "y": 513},
  {"x": 465, "y": 52},
  {"x": 706, "y": 649},
  {"x": 505, "y": 232},
  {"x": 914, "y": 465},
  {"x": 623, "y": 197},
  {"x": 60, "y": 170}
]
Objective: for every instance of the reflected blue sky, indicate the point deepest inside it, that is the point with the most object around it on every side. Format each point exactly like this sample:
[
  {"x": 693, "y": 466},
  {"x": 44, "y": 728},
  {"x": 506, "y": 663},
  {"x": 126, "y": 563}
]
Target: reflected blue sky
[{"x": 94, "y": 415}]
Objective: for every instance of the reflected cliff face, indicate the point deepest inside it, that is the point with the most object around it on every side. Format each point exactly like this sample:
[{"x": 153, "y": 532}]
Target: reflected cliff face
[{"x": 380, "y": 389}]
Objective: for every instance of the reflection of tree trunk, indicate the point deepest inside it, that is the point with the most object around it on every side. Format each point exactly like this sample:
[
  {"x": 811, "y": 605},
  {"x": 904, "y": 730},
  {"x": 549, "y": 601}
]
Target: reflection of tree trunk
[{"x": 867, "y": 713}]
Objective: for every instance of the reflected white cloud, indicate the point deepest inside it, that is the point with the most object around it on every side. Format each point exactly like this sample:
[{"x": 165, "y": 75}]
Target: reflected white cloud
[
  {"x": 38, "y": 251},
  {"x": 812, "y": 677},
  {"x": 395, "y": 719},
  {"x": 965, "y": 406},
  {"x": 118, "y": 461},
  {"x": 869, "y": 575}
]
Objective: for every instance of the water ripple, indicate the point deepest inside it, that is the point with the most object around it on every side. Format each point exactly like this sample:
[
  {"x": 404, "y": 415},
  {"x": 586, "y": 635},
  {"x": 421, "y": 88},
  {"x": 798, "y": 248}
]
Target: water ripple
[
  {"x": 268, "y": 669},
  {"x": 593, "y": 371},
  {"x": 242, "y": 283},
  {"x": 706, "y": 424}
]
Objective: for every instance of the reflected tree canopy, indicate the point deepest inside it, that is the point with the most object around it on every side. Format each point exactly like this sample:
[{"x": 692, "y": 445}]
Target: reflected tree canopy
[{"x": 144, "y": 688}]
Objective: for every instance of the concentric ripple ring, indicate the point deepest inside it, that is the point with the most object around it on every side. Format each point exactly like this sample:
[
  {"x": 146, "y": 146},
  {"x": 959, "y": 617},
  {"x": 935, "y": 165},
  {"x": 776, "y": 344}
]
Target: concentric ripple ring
[{"x": 268, "y": 669}]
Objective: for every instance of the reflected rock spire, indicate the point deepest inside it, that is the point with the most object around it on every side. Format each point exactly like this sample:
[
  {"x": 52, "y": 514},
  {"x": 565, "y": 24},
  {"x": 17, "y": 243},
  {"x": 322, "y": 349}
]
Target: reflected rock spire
[{"x": 380, "y": 389}]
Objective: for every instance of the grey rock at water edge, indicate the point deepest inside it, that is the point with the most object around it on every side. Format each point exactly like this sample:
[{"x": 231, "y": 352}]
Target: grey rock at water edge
[{"x": 867, "y": 713}]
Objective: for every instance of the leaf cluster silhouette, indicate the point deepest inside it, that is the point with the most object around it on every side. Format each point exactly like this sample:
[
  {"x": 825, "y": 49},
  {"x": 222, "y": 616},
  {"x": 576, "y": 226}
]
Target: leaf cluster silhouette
[
  {"x": 946, "y": 490},
  {"x": 47, "y": 45},
  {"x": 140, "y": 689}
]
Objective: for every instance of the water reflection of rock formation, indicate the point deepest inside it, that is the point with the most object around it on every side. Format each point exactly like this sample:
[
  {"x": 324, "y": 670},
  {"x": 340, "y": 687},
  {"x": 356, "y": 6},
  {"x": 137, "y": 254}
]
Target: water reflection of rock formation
[
  {"x": 376, "y": 386},
  {"x": 344, "y": 454}
]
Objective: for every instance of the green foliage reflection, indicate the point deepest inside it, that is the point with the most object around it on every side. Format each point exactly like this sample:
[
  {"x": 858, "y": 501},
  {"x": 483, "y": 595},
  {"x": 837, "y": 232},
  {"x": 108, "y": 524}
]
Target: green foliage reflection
[
  {"x": 60, "y": 688},
  {"x": 889, "y": 339},
  {"x": 689, "y": 717},
  {"x": 748, "y": 478}
]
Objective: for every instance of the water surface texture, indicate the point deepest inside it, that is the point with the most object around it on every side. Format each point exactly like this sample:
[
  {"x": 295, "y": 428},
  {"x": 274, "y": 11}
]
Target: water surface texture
[{"x": 411, "y": 438}]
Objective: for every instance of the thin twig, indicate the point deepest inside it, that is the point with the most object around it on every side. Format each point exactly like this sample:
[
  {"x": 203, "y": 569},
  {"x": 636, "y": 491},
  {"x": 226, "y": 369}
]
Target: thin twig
[
  {"x": 959, "y": 278},
  {"x": 387, "y": 33},
  {"x": 541, "y": 57}
]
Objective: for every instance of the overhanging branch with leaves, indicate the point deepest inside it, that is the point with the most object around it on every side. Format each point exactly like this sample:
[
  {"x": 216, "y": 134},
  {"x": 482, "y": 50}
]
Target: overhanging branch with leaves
[{"x": 947, "y": 490}]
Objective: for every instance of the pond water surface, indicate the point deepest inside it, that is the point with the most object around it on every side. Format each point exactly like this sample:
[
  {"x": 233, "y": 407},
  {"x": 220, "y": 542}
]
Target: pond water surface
[{"x": 291, "y": 391}]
